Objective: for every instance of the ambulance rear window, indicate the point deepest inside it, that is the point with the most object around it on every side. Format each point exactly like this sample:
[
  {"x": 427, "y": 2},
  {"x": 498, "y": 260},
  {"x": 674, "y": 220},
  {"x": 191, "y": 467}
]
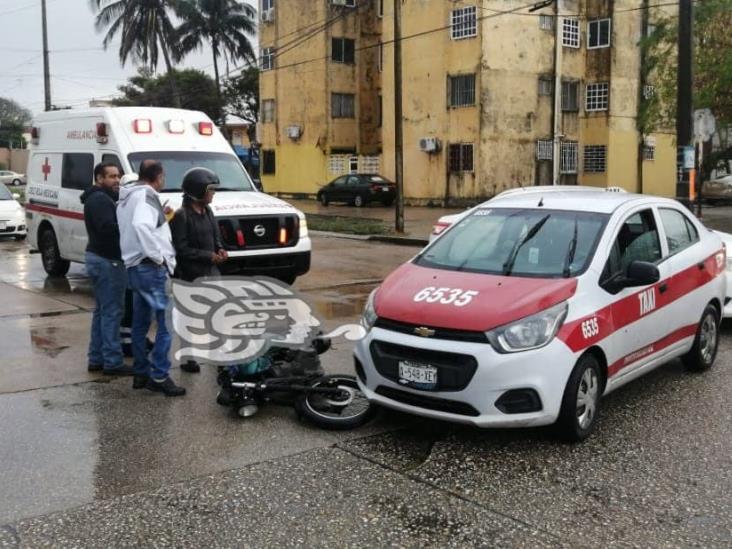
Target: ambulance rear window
[
  {"x": 518, "y": 242},
  {"x": 232, "y": 175}
]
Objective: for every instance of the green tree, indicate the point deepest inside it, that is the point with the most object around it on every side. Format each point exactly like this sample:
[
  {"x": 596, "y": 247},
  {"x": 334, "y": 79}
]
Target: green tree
[
  {"x": 13, "y": 120},
  {"x": 225, "y": 24},
  {"x": 198, "y": 91},
  {"x": 241, "y": 95},
  {"x": 145, "y": 28}
]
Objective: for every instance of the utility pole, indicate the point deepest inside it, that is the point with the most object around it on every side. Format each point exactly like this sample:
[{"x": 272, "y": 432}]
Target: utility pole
[
  {"x": 398, "y": 130},
  {"x": 684, "y": 105},
  {"x": 46, "y": 72}
]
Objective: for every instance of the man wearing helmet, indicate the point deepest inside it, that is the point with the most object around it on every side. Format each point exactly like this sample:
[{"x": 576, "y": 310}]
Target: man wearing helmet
[{"x": 196, "y": 237}]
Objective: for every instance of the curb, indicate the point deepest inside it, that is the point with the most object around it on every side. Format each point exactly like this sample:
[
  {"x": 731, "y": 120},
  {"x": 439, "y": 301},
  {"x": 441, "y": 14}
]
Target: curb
[{"x": 399, "y": 240}]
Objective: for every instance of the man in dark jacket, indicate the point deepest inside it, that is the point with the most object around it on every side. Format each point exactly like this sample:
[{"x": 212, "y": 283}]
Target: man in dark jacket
[
  {"x": 196, "y": 237},
  {"x": 106, "y": 269}
]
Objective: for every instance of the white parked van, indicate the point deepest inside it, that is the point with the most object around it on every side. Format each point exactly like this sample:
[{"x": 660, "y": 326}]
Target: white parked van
[{"x": 263, "y": 234}]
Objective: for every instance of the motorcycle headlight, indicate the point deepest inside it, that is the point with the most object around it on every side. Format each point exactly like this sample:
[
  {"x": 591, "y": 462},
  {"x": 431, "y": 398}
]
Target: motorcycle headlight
[
  {"x": 368, "y": 318},
  {"x": 529, "y": 333},
  {"x": 303, "y": 227}
]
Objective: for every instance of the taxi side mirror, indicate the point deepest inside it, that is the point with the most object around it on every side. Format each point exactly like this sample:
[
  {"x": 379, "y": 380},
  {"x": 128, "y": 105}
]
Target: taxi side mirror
[{"x": 641, "y": 273}]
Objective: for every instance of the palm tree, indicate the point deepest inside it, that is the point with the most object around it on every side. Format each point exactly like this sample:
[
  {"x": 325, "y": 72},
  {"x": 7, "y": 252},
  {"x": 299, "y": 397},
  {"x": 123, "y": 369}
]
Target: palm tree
[
  {"x": 225, "y": 24},
  {"x": 146, "y": 29}
]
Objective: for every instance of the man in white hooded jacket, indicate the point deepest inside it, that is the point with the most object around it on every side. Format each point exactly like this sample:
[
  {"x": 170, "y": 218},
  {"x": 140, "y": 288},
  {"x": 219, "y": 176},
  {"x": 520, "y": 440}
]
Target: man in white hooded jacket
[{"x": 148, "y": 253}]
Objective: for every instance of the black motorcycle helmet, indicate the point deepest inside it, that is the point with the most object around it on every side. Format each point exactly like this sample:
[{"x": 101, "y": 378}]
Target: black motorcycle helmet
[{"x": 197, "y": 181}]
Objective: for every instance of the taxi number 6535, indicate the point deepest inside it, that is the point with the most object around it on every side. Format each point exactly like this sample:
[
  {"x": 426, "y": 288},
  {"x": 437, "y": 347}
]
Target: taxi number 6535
[
  {"x": 590, "y": 328},
  {"x": 445, "y": 296}
]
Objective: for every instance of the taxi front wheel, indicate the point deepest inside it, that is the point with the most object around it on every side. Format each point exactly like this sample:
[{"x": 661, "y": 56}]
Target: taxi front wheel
[
  {"x": 581, "y": 400},
  {"x": 704, "y": 350}
]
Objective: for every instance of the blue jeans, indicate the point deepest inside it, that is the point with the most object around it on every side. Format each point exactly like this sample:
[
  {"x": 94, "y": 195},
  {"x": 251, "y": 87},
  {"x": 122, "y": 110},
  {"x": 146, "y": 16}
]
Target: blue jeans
[
  {"x": 149, "y": 298},
  {"x": 109, "y": 280}
]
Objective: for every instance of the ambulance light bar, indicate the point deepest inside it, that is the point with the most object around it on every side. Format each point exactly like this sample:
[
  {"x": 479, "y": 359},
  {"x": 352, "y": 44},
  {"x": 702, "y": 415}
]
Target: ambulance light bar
[
  {"x": 176, "y": 126},
  {"x": 205, "y": 128},
  {"x": 142, "y": 125},
  {"x": 102, "y": 136},
  {"x": 35, "y": 135}
]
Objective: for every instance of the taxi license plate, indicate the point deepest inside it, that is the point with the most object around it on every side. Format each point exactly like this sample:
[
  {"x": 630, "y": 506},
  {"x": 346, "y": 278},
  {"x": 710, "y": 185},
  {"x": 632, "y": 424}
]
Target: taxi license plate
[
  {"x": 3, "y": 225},
  {"x": 421, "y": 374}
]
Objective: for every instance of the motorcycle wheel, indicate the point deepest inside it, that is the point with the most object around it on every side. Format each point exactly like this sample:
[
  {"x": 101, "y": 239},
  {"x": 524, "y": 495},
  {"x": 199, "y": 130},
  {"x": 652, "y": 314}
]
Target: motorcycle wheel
[{"x": 350, "y": 412}]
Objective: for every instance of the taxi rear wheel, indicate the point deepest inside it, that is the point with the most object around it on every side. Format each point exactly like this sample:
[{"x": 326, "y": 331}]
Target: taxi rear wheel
[
  {"x": 704, "y": 350},
  {"x": 581, "y": 400}
]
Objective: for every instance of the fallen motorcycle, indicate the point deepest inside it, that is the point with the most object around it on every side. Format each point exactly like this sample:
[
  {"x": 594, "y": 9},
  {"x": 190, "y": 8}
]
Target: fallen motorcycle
[{"x": 294, "y": 377}]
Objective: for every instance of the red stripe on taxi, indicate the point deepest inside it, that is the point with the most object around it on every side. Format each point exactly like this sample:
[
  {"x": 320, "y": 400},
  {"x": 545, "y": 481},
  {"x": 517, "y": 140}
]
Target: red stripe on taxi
[{"x": 653, "y": 348}]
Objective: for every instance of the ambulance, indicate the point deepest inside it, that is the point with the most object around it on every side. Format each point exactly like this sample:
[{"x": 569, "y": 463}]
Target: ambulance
[
  {"x": 529, "y": 308},
  {"x": 262, "y": 234}
]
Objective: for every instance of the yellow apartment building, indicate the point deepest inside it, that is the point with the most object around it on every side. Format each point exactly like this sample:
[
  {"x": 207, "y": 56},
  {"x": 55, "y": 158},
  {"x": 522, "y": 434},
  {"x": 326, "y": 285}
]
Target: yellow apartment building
[{"x": 494, "y": 96}]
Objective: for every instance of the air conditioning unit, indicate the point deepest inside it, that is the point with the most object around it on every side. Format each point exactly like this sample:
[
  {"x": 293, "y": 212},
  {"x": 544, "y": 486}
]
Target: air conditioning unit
[
  {"x": 429, "y": 144},
  {"x": 294, "y": 132},
  {"x": 268, "y": 16}
]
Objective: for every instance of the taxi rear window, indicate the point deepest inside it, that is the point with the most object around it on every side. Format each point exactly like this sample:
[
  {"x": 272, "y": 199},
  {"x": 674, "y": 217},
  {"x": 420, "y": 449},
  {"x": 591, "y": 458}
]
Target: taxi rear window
[{"x": 518, "y": 242}]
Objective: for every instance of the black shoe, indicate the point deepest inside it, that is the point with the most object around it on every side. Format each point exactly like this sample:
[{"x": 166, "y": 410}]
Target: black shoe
[
  {"x": 119, "y": 371},
  {"x": 167, "y": 387},
  {"x": 139, "y": 382},
  {"x": 191, "y": 367},
  {"x": 94, "y": 367}
]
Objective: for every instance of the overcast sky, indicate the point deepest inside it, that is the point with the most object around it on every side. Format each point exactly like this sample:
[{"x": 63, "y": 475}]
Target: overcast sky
[{"x": 80, "y": 68}]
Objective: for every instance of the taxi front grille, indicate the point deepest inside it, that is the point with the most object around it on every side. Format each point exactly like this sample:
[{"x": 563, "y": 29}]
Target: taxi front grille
[
  {"x": 431, "y": 403},
  {"x": 260, "y": 232},
  {"x": 439, "y": 333},
  {"x": 454, "y": 371}
]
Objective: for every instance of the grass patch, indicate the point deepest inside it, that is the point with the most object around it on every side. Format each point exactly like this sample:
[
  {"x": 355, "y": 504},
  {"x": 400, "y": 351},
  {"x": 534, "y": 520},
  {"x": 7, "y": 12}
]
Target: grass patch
[{"x": 347, "y": 225}]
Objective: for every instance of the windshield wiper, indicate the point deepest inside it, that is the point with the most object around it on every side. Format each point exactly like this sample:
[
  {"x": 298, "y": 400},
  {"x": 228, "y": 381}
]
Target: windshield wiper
[
  {"x": 508, "y": 265},
  {"x": 570, "y": 252}
]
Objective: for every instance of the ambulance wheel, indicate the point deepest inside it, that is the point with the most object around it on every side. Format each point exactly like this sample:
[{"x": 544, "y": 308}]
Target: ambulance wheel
[
  {"x": 51, "y": 258},
  {"x": 348, "y": 410},
  {"x": 704, "y": 350},
  {"x": 581, "y": 400}
]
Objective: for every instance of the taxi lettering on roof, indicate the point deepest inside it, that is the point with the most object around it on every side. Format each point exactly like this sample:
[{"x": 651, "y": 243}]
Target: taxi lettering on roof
[{"x": 81, "y": 134}]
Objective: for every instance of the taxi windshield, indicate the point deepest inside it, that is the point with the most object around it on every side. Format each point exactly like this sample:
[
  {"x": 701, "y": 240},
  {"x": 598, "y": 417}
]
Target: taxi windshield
[
  {"x": 518, "y": 242},
  {"x": 231, "y": 174}
]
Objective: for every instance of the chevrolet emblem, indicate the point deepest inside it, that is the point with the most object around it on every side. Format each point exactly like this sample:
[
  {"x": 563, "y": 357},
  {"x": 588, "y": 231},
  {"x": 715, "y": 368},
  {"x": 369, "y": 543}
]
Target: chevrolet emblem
[{"x": 424, "y": 331}]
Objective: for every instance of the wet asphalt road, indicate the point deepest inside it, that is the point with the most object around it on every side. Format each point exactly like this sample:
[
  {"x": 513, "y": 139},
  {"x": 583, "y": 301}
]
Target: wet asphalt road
[{"x": 87, "y": 462}]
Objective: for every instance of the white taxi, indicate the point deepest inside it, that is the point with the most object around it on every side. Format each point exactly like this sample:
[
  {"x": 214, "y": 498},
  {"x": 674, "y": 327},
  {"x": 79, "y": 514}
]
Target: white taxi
[{"x": 535, "y": 304}]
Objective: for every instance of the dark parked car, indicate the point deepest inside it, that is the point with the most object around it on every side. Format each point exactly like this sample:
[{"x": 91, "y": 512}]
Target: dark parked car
[{"x": 358, "y": 189}]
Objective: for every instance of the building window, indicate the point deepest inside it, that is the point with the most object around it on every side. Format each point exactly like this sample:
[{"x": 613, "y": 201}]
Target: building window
[
  {"x": 268, "y": 162},
  {"x": 380, "y": 60},
  {"x": 343, "y": 50},
  {"x": 346, "y": 3},
  {"x": 596, "y": 96},
  {"x": 649, "y": 152},
  {"x": 461, "y": 90},
  {"x": 342, "y": 105},
  {"x": 570, "y": 33},
  {"x": 464, "y": 23},
  {"x": 546, "y": 22},
  {"x": 568, "y": 157},
  {"x": 595, "y": 158},
  {"x": 545, "y": 85},
  {"x": 648, "y": 91},
  {"x": 460, "y": 157},
  {"x": 267, "y": 11},
  {"x": 380, "y": 8},
  {"x": 598, "y": 34},
  {"x": 544, "y": 149},
  {"x": 380, "y": 111},
  {"x": 570, "y": 96},
  {"x": 268, "y": 110},
  {"x": 267, "y": 59}
]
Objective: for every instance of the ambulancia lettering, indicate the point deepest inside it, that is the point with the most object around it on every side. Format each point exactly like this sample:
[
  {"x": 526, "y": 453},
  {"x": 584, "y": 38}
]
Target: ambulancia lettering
[
  {"x": 647, "y": 300},
  {"x": 81, "y": 134}
]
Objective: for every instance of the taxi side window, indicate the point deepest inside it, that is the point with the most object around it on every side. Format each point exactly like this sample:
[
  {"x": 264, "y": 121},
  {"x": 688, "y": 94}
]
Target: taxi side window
[
  {"x": 680, "y": 232},
  {"x": 637, "y": 240},
  {"x": 77, "y": 171}
]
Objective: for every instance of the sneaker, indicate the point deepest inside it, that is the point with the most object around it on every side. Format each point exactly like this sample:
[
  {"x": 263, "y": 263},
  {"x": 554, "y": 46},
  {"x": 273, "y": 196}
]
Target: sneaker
[
  {"x": 191, "y": 367},
  {"x": 167, "y": 387},
  {"x": 139, "y": 381},
  {"x": 119, "y": 371},
  {"x": 94, "y": 367}
]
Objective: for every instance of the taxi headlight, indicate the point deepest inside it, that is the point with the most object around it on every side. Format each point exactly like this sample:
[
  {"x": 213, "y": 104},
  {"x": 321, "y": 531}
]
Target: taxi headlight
[
  {"x": 368, "y": 318},
  {"x": 532, "y": 332},
  {"x": 303, "y": 227}
]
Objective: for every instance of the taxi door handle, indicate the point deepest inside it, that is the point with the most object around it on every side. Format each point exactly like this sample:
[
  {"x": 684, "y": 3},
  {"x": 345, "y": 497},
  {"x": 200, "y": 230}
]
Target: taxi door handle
[{"x": 663, "y": 287}]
